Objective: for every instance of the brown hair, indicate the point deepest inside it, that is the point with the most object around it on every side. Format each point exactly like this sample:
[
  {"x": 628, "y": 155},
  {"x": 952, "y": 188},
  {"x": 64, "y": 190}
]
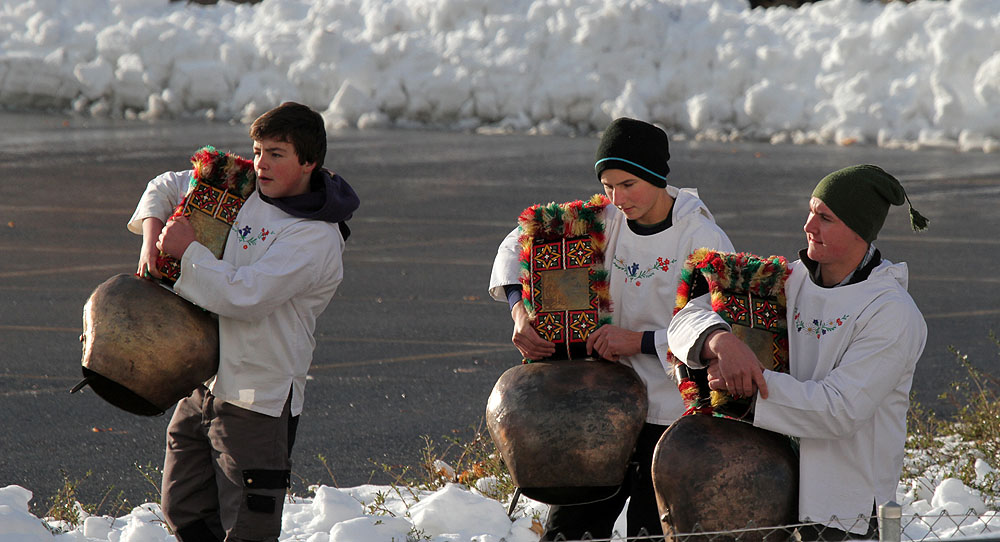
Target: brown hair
[{"x": 296, "y": 124}]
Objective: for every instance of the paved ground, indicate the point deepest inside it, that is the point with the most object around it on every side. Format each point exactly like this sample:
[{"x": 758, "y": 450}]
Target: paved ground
[{"x": 411, "y": 345}]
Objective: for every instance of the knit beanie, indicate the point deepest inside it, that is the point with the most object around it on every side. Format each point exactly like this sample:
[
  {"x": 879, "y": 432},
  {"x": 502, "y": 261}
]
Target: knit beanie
[
  {"x": 636, "y": 147},
  {"x": 860, "y": 196}
]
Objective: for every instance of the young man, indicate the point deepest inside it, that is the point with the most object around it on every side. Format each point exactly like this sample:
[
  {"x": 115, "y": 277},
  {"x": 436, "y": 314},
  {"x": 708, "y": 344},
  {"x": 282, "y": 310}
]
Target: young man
[
  {"x": 228, "y": 445},
  {"x": 651, "y": 228},
  {"x": 855, "y": 336}
]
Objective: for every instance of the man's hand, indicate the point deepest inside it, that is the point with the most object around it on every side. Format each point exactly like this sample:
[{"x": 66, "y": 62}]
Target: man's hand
[
  {"x": 147, "y": 262},
  {"x": 151, "y": 228},
  {"x": 612, "y": 342},
  {"x": 732, "y": 366},
  {"x": 176, "y": 236},
  {"x": 526, "y": 339}
]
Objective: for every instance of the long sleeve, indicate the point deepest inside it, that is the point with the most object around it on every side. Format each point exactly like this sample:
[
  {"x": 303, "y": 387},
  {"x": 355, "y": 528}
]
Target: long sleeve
[
  {"x": 877, "y": 366},
  {"x": 506, "y": 266},
  {"x": 688, "y": 328},
  {"x": 162, "y": 195},
  {"x": 251, "y": 292}
]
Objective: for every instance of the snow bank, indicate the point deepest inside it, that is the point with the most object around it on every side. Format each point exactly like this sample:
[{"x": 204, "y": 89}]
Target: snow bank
[
  {"x": 838, "y": 71},
  {"x": 368, "y": 513},
  {"x": 932, "y": 507},
  {"x": 16, "y": 523}
]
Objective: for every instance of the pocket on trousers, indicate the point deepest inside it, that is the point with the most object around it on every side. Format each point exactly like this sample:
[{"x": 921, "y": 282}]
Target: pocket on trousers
[
  {"x": 265, "y": 504},
  {"x": 262, "y": 503}
]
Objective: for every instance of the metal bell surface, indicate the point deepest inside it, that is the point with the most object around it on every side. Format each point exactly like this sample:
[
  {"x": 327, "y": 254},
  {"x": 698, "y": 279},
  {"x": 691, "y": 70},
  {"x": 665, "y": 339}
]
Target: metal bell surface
[
  {"x": 566, "y": 429},
  {"x": 717, "y": 474},
  {"x": 145, "y": 347}
]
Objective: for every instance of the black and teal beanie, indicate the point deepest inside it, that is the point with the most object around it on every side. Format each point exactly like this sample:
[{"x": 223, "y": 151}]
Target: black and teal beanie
[
  {"x": 636, "y": 147},
  {"x": 860, "y": 196}
]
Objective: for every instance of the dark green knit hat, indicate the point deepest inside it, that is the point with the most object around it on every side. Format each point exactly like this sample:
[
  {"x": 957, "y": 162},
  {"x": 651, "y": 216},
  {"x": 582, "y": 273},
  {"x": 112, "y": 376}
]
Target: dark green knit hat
[
  {"x": 861, "y": 195},
  {"x": 636, "y": 147}
]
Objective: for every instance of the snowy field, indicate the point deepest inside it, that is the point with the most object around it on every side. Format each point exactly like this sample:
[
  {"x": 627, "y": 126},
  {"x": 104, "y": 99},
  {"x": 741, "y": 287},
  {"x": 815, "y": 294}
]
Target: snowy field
[{"x": 836, "y": 72}]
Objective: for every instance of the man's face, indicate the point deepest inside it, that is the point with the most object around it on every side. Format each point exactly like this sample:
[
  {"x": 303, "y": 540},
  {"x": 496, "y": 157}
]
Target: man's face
[
  {"x": 830, "y": 240},
  {"x": 638, "y": 200},
  {"x": 279, "y": 173}
]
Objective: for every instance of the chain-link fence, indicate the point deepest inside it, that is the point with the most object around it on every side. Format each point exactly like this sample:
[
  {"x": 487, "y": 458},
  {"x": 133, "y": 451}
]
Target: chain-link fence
[{"x": 893, "y": 527}]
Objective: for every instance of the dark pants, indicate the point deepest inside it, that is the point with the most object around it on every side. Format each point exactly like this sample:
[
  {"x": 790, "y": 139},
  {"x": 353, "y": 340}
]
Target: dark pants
[
  {"x": 598, "y": 519},
  {"x": 226, "y": 470}
]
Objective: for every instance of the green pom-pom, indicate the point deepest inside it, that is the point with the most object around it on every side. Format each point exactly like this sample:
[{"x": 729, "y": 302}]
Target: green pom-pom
[{"x": 918, "y": 221}]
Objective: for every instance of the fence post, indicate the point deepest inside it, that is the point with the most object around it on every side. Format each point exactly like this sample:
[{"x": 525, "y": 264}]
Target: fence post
[{"x": 889, "y": 518}]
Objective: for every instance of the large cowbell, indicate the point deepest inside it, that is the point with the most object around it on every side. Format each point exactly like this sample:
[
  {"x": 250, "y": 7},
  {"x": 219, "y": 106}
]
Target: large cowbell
[
  {"x": 566, "y": 429},
  {"x": 145, "y": 347},
  {"x": 716, "y": 474}
]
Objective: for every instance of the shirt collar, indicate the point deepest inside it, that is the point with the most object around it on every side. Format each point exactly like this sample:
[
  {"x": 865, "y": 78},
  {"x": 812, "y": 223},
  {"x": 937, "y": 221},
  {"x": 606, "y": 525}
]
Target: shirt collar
[{"x": 871, "y": 259}]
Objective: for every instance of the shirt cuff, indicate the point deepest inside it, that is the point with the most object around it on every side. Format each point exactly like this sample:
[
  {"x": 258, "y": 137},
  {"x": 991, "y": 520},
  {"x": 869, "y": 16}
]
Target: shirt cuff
[
  {"x": 649, "y": 343},
  {"x": 513, "y": 292},
  {"x": 700, "y": 343}
]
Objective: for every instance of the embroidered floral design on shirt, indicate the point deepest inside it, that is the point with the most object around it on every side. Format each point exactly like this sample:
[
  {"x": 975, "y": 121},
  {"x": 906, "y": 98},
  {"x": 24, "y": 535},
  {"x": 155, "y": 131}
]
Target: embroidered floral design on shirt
[
  {"x": 247, "y": 239},
  {"x": 818, "y": 327},
  {"x": 632, "y": 273}
]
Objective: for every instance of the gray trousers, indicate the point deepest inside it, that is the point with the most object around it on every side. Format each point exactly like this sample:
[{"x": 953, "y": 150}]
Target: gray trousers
[{"x": 226, "y": 471}]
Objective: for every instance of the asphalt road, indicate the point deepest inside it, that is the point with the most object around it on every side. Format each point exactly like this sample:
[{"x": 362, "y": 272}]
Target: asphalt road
[{"x": 411, "y": 344}]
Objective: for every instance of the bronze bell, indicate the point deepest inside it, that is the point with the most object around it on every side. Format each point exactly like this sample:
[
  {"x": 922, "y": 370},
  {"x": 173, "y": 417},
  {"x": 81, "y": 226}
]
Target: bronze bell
[
  {"x": 717, "y": 474},
  {"x": 566, "y": 429},
  {"x": 145, "y": 347}
]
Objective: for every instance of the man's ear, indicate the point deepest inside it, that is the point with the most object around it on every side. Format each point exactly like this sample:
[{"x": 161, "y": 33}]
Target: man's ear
[{"x": 311, "y": 166}]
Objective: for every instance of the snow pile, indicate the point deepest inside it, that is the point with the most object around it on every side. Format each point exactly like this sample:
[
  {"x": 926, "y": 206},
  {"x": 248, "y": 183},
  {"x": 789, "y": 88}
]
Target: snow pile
[
  {"x": 16, "y": 523},
  {"x": 932, "y": 506},
  {"x": 949, "y": 510},
  {"x": 838, "y": 71},
  {"x": 368, "y": 513}
]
